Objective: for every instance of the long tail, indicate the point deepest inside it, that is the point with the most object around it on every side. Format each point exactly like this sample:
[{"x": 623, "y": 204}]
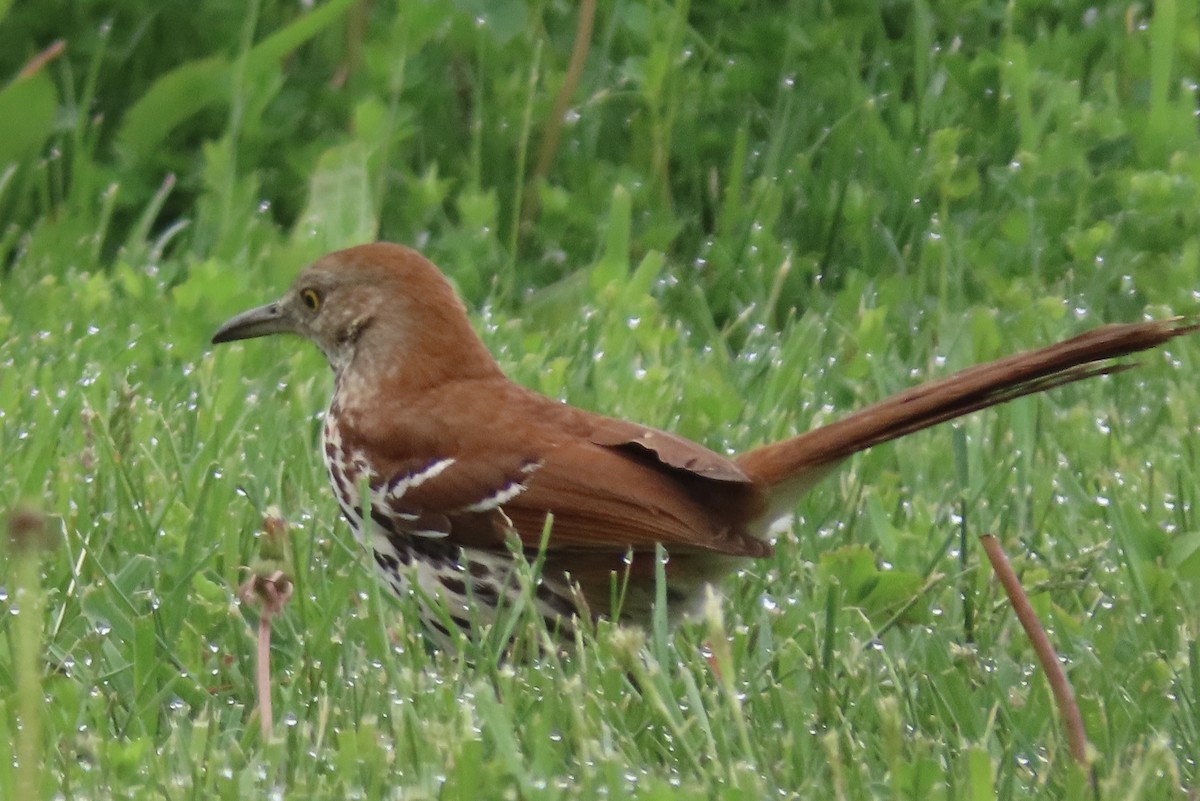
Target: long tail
[{"x": 791, "y": 466}]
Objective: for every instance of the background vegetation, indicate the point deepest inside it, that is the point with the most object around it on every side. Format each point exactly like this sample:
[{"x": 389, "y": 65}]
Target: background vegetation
[{"x": 757, "y": 215}]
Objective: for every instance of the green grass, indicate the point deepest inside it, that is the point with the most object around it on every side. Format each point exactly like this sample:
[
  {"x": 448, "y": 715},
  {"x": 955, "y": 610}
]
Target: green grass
[{"x": 761, "y": 215}]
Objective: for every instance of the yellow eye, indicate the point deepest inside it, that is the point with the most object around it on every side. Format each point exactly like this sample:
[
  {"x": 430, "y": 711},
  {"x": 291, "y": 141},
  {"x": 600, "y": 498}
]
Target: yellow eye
[{"x": 311, "y": 298}]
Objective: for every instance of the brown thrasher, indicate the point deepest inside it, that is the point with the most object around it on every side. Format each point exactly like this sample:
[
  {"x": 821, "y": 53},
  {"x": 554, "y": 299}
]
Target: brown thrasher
[{"x": 458, "y": 459}]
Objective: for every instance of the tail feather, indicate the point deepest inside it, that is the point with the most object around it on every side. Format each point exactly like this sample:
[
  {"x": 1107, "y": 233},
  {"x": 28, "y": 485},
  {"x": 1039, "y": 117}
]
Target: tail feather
[{"x": 789, "y": 467}]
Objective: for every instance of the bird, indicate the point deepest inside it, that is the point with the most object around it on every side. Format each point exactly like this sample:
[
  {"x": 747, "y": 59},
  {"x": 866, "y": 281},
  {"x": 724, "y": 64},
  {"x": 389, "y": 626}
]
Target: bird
[{"x": 448, "y": 472}]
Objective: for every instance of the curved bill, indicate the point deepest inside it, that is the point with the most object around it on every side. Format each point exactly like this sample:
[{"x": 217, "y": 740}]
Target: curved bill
[{"x": 260, "y": 322}]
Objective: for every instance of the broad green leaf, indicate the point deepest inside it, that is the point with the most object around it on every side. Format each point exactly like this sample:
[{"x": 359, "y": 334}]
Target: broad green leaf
[
  {"x": 114, "y": 609},
  {"x": 26, "y": 115},
  {"x": 981, "y": 774},
  {"x": 506, "y": 19},
  {"x": 612, "y": 269},
  {"x": 879, "y": 593},
  {"x": 643, "y": 278},
  {"x": 283, "y": 42},
  {"x": 1185, "y": 555},
  {"x": 187, "y": 89},
  {"x": 339, "y": 212},
  {"x": 172, "y": 99}
]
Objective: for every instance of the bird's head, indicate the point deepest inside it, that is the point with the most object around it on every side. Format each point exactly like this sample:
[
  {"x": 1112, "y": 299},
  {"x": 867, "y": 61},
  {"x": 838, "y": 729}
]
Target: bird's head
[{"x": 381, "y": 303}]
